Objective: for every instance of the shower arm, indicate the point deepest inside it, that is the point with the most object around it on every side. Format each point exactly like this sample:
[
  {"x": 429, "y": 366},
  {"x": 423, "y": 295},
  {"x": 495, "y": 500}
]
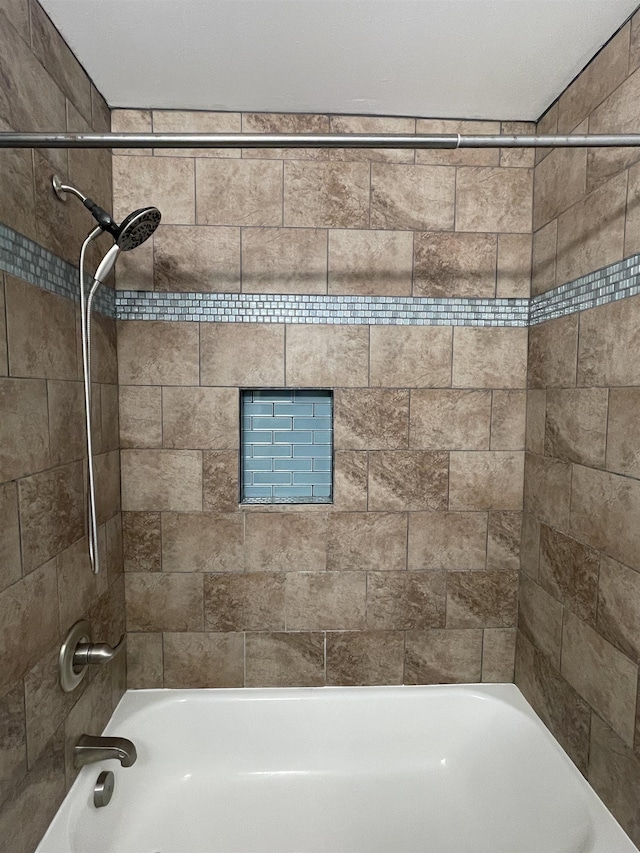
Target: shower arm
[
  {"x": 279, "y": 140},
  {"x": 85, "y": 328}
]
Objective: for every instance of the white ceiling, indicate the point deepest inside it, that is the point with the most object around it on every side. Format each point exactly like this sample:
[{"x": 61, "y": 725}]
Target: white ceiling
[{"x": 489, "y": 59}]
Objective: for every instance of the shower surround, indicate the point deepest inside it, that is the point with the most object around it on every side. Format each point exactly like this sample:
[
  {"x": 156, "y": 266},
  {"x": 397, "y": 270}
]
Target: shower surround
[
  {"x": 45, "y": 579},
  {"x": 579, "y": 596},
  {"x": 412, "y": 574}
]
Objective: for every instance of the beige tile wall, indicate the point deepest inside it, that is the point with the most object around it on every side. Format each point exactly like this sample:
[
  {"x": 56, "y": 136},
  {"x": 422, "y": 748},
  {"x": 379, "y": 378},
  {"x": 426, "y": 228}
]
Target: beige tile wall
[
  {"x": 45, "y": 580},
  {"x": 579, "y": 621},
  {"x": 411, "y": 575}
]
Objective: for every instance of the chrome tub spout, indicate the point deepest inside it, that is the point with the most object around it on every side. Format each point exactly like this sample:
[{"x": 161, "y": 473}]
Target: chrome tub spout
[{"x": 90, "y": 749}]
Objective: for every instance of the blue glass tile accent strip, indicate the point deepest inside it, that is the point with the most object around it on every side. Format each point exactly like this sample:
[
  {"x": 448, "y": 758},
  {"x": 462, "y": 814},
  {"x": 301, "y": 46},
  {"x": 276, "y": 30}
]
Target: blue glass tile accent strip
[
  {"x": 319, "y": 309},
  {"x": 608, "y": 284},
  {"x": 27, "y": 260},
  {"x": 280, "y": 462}
]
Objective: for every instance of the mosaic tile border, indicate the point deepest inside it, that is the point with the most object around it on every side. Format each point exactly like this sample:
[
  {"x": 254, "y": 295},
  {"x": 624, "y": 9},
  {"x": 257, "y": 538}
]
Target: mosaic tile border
[
  {"x": 338, "y": 310},
  {"x": 608, "y": 284},
  {"x": 27, "y": 260}
]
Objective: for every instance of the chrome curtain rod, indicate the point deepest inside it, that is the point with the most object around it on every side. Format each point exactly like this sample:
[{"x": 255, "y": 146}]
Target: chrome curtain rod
[{"x": 329, "y": 140}]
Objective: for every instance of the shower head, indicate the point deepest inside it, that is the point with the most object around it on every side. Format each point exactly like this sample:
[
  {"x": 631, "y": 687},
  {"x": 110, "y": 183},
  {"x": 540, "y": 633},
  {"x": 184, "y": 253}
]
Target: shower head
[{"x": 135, "y": 228}]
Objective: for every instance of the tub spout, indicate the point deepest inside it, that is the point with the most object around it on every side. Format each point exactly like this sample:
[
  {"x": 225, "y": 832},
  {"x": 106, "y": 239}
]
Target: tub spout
[{"x": 90, "y": 749}]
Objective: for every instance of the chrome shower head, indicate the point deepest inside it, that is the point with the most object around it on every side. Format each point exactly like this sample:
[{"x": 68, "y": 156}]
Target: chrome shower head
[{"x": 137, "y": 227}]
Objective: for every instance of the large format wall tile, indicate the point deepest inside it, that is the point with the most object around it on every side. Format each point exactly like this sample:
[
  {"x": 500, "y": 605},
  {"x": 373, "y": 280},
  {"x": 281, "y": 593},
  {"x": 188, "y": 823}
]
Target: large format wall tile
[
  {"x": 450, "y": 420},
  {"x": 601, "y": 77},
  {"x": 281, "y": 542},
  {"x": 325, "y": 195},
  {"x": 486, "y": 480},
  {"x": 619, "y": 607},
  {"x": 167, "y": 183},
  {"x": 543, "y": 260},
  {"x": 614, "y": 772},
  {"x": 482, "y": 599},
  {"x": 284, "y": 660},
  {"x": 285, "y": 123},
  {"x": 13, "y": 748},
  {"x": 10, "y": 557},
  {"x": 155, "y": 480},
  {"x": 188, "y": 258},
  {"x": 443, "y": 657},
  {"x": 569, "y": 572},
  {"x": 203, "y": 660},
  {"x": 547, "y": 490},
  {"x": 540, "y": 619},
  {"x": 461, "y": 156},
  {"x": 253, "y": 601},
  {"x": 242, "y": 354},
  {"x": 200, "y": 418},
  {"x": 377, "y": 263},
  {"x": 408, "y": 480},
  {"x": 40, "y": 332},
  {"x": 164, "y": 602},
  {"x": 372, "y": 124},
  {"x": 50, "y": 48},
  {"x": 238, "y": 192},
  {"x": 591, "y": 233},
  {"x": 158, "y": 353},
  {"x": 576, "y": 425},
  {"x": 365, "y": 541},
  {"x": 412, "y": 197},
  {"x": 561, "y": 708},
  {"x": 618, "y": 110},
  {"x": 145, "y": 662},
  {"x": 560, "y": 181},
  {"x": 490, "y": 199},
  {"x": 604, "y": 509},
  {"x": 406, "y": 600},
  {"x": 327, "y": 356},
  {"x": 460, "y": 265},
  {"x": 141, "y": 541},
  {"x": 489, "y": 358},
  {"x": 365, "y": 658},
  {"x": 284, "y": 260},
  {"x": 553, "y": 348},
  {"x": 371, "y": 419},
  {"x": 24, "y": 428},
  {"x": 51, "y": 513},
  {"x": 623, "y": 431},
  {"x": 498, "y": 654},
  {"x": 592, "y": 665},
  {"x": 196, "y": 121},
  {"x": 455, "y": 541},
  {"x": 513, "y": 276},
  {"x": 195, "y": 542},
  {"x": 609, "y": 338},
  {"x": 320, "y": 601},
  {"x": 410, "y": 357},
  {"x": 22, "y": 606},
  {"x": 66, "y": 405},
  {"x": 140, "y": 415}
]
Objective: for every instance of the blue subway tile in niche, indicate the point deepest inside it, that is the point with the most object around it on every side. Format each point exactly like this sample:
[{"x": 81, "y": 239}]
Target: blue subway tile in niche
[{"x": 287, "y": 446}]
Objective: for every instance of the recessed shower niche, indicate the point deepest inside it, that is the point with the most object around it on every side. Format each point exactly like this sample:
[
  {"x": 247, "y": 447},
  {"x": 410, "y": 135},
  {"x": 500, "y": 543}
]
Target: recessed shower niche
[{"x": 287, "y": 446}]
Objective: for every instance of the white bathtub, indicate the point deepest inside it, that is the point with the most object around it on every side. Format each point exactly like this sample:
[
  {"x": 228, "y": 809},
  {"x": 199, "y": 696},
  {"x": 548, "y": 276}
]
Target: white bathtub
[{"x": 439, "y": 769}]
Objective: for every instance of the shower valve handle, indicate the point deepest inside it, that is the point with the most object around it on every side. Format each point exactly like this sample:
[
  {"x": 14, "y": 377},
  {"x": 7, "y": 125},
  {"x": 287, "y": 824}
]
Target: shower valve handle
[{"x": 96, "y": 653}]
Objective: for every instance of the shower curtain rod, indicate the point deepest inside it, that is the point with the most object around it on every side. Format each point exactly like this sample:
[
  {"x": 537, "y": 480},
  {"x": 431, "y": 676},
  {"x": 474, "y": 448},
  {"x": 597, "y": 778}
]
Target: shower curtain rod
[{"x": 329, "y": 140}]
